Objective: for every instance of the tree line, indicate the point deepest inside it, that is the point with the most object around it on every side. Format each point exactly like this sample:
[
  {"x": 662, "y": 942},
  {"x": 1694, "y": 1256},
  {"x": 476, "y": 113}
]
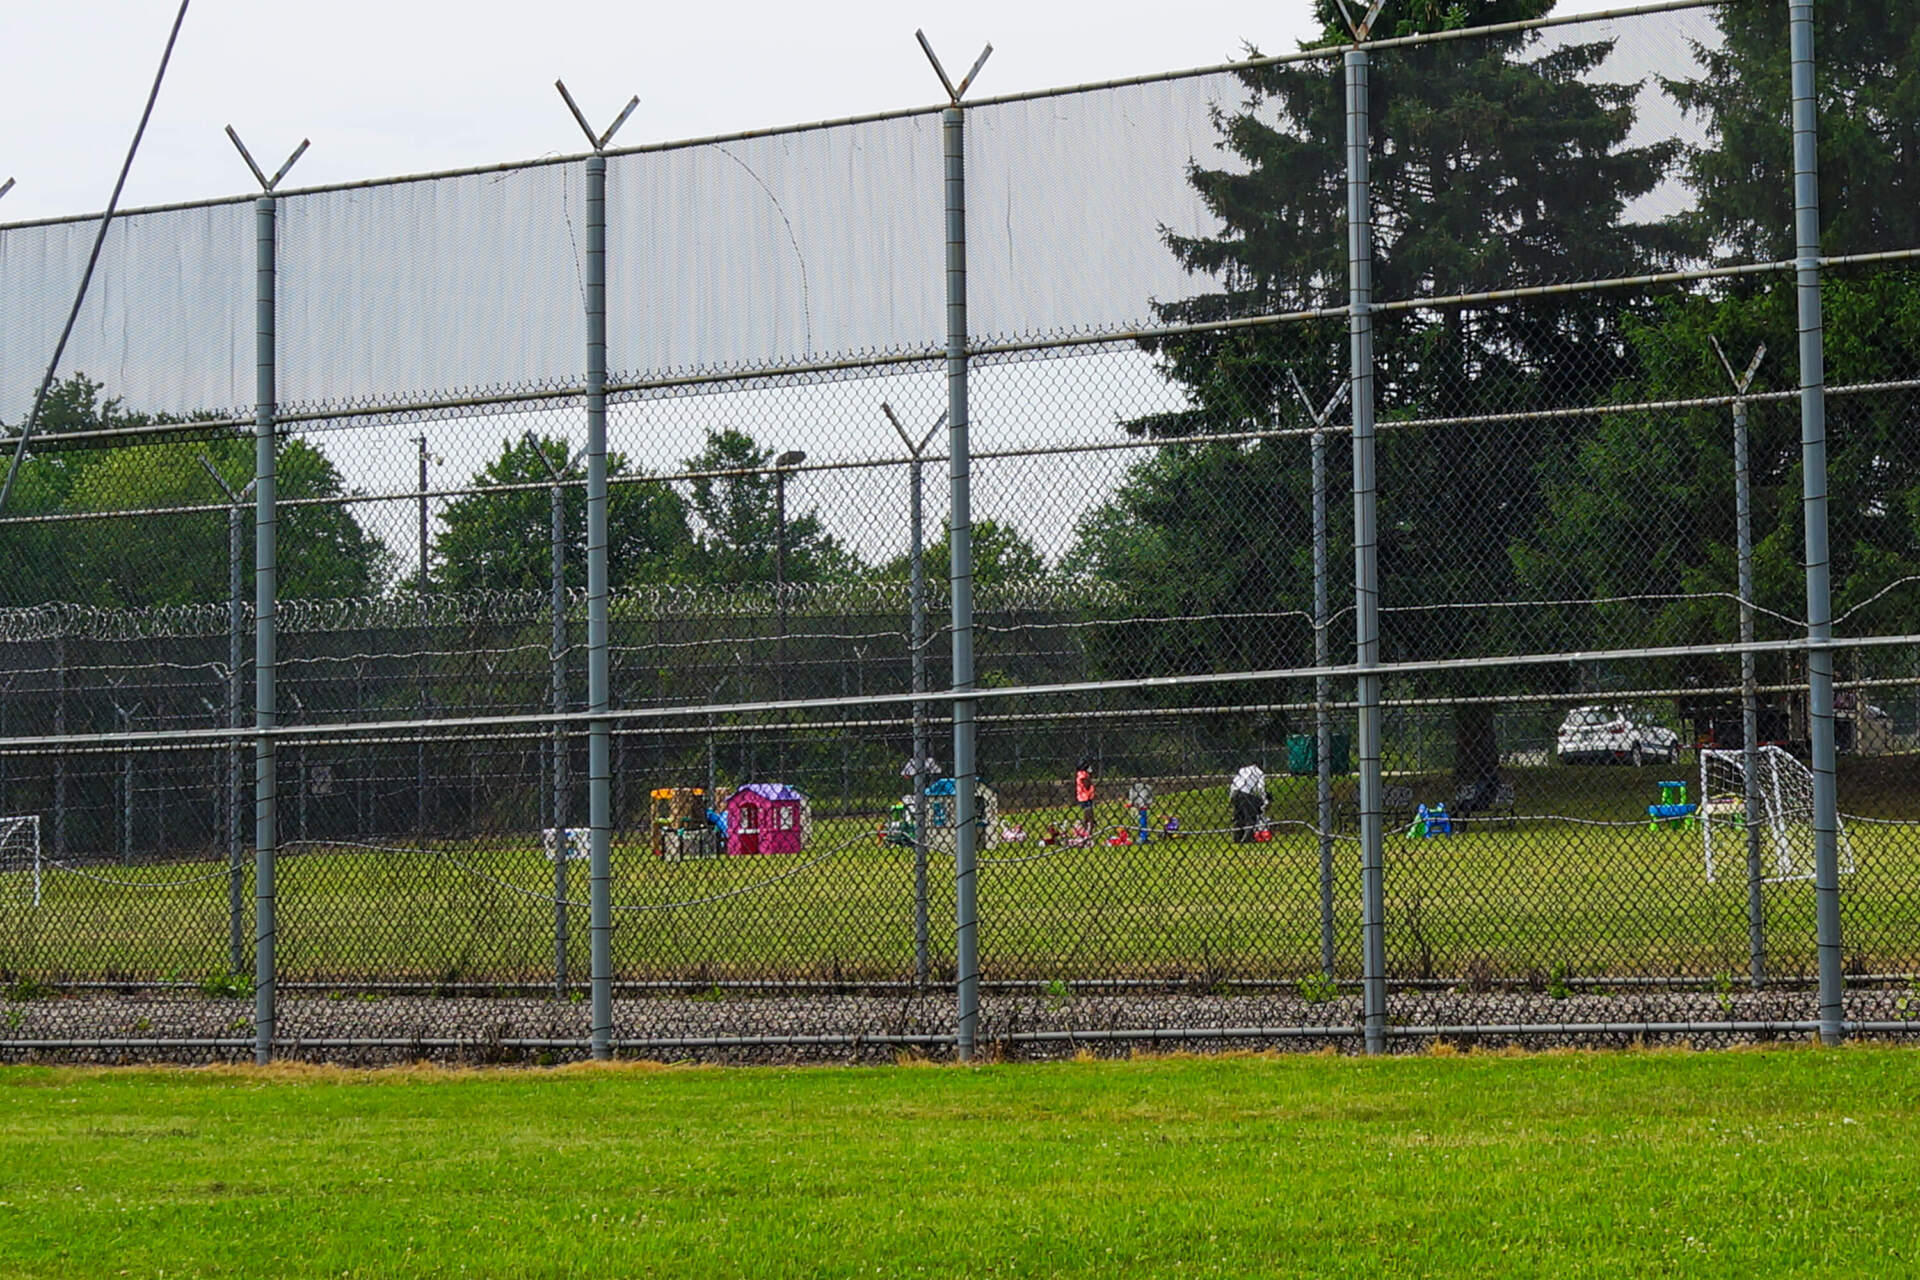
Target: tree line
[{"x": 111, "y": 537}]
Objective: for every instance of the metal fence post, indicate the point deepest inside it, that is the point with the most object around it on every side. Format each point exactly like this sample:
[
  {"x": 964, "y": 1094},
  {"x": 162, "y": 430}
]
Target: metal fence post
[
  {"x": 60, "y": 730},
  {"x": 1366, "y": 565},
  {"x": 960, "y": 568},
  {"x": 1322, "y": 686},
  {"x": 266, "y": 588},
  {"x": 919, "y": 642},
  {"x": 561, "y": 847},
  {"x": 124, "y": 722},
  {"x": 1749, "y": 685},
  {"x": 236, "y": 843},
  {"x": 557, "y": 664},
  {"x": 599, "y": 671},
  {"x": 953, "y": 135},
  {"x": 1322, "y": 695},
  {"x": 1813, "y": 466},
  {"x": 235, "y": 713},
  {"x": 599, "y": 666},
  {"x": 266, "y": 568},
  {"x": 917, "y": 638}
]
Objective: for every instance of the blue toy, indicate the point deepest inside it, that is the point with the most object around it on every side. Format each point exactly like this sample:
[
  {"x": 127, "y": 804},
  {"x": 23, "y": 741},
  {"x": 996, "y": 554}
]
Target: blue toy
[
  {"x": 1430, "y": 821},
  {"x": 1673, "y": 809}
]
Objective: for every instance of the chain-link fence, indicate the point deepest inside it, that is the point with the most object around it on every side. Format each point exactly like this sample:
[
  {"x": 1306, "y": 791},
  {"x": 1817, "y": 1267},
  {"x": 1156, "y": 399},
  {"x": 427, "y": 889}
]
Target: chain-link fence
[{"x": 1415, "y": 538}]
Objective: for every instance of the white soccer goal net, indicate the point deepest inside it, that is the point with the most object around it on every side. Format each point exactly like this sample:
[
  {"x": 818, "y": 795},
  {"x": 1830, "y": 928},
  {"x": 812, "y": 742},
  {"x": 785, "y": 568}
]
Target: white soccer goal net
[
  {"x": 1775, "y": 814},
  {"x": 20, "y": 859}
]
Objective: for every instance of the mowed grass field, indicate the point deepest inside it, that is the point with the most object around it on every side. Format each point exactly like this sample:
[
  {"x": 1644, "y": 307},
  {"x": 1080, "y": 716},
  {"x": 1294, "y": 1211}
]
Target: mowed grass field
[
  {"x": 1775, "y": 1163},
  {"x": 1580, "y": 884}
]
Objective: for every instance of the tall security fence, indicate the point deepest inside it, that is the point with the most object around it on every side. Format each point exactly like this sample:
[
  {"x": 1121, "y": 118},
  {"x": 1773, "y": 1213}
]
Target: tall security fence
[{"x": 1415, "y": 538}]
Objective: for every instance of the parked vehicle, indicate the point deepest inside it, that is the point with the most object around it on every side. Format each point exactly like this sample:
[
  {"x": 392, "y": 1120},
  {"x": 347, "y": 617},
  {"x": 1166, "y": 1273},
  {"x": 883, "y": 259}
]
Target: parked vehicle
[{"x": 1614, "y": 735}]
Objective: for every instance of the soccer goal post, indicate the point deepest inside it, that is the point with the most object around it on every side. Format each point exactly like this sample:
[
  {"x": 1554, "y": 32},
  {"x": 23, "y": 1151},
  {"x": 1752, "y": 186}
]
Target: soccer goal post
[
  {"x": 1773, "y": 810},
  {"x": 20, "y": 857}
]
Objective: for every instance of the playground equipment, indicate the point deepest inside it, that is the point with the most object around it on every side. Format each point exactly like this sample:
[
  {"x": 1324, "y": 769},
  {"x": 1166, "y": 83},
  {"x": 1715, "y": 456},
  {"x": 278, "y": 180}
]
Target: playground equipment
[
  {"x": 766, "y": 818},
  {"x": 680, "y": 825},
  {"x": 943, "y": 811},
  {"x": 1430, "y": 820},
  {"x": 898, "y": 828},
  {"x": 1673, "y": 811}
]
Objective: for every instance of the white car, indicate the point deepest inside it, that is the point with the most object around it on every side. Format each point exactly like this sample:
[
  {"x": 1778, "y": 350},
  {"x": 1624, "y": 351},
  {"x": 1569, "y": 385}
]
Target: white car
[{"x": 1612, "y": 735}]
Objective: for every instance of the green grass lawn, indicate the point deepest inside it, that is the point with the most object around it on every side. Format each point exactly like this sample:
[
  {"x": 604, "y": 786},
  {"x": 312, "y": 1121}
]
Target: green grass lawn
[
  {"x": 1785, "y": 1162},
  {"x": 1557, "y": 891}
]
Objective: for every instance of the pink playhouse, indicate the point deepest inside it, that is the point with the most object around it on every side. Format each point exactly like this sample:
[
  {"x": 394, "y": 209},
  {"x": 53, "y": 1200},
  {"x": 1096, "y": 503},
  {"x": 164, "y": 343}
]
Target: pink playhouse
[{"x": 765, "y": 817}]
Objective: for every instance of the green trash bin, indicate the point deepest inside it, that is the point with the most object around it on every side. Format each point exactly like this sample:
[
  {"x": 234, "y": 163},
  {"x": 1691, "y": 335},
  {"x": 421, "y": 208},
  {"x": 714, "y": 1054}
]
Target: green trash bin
[{"x": 1302, "y": 759}]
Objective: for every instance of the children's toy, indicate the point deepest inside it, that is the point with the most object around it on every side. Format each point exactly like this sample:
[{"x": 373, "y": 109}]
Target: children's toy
[
  {"x": 570, "y": 843},
  {"x": 766, "y": 818},
  {"x": 1727, "y": 811},
  {"x": 1430, "y": 820},
  {"x": 682, "y": 825},
  {"x": 1169, "y": 827},
  {"x": 898, "y": 829},
  {"x": 1140, "y": 799},
  {"x": 1673, "y": 811},
  {"x": 943, "y": 814}
]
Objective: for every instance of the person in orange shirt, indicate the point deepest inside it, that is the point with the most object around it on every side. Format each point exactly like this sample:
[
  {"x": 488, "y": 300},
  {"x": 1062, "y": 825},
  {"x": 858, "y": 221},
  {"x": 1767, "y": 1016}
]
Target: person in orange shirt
[{"x": 1083, "y": 794}]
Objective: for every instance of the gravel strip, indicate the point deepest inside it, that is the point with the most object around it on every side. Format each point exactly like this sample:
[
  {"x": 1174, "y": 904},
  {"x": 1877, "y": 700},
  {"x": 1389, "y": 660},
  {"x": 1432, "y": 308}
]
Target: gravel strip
[{"x": 144, "y": 1027}]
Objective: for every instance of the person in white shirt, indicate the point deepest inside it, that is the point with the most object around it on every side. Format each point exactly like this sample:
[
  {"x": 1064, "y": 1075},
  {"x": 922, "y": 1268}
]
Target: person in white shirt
[{"x": 1247, "y": 794}]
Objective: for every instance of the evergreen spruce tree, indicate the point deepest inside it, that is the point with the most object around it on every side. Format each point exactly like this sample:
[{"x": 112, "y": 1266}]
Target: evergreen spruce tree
[{"x": 1497, "y": 162}]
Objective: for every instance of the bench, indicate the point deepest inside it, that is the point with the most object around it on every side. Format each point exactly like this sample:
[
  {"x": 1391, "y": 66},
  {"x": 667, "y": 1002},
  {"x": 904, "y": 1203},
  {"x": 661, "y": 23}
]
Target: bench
[{"x": 1396, "y": 809}]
